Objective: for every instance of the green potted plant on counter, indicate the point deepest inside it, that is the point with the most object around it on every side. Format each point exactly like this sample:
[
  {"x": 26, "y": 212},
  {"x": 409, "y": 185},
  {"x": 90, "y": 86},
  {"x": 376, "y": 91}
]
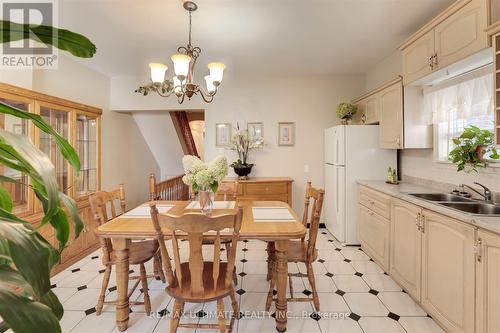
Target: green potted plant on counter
[
  {"x": 474, "y": 147},
  {"x": 243, "y": 144},
  {"x": 345, "y": 112}
]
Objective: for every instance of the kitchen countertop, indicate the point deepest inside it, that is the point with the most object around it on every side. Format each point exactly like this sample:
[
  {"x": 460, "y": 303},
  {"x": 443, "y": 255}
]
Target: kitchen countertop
[{"x": 401, "y": 191}]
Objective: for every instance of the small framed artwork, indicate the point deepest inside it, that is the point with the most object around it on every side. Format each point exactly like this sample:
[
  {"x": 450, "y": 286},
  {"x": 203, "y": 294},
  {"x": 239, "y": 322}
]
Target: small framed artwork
[
  {"x": 223, "y": 133},
  {"x": 286, "y": 134},
  {"x": 255, "y": 131}
]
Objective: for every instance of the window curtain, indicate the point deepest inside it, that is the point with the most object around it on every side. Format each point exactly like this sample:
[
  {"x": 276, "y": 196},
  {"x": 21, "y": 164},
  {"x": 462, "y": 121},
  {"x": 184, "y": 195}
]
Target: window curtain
[{"x": 471, "y": 99}]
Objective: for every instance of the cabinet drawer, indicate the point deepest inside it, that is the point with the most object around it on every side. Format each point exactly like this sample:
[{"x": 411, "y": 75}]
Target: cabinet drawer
[
  {"x": 376, "y": 201},
  {"x": 268, "y": 188}
]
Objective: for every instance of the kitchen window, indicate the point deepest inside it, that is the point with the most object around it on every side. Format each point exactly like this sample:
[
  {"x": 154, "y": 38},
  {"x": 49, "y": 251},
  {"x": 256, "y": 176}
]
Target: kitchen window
[{"x": 458, "y": 103}]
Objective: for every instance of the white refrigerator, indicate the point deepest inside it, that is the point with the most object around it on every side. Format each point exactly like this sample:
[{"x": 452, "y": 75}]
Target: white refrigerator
[{"x": 351, "y": 153}]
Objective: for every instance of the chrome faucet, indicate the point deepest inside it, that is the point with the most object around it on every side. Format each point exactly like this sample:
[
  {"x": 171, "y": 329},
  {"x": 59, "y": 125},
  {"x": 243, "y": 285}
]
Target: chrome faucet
[{"x": 487, "y": 192}]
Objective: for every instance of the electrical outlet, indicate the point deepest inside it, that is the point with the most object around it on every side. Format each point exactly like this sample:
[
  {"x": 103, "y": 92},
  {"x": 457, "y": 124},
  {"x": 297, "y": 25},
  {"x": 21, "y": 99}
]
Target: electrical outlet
[{"x": 306, "y": 168}]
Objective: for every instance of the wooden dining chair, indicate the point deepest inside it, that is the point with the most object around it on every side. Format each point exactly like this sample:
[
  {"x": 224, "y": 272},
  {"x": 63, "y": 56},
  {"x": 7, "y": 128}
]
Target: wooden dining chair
[
  {"x": 140, "y": 252},
  {"x": 303, "y": 251},
  {"x": 197, "y": 280},
  {"x": 228, "y": 189}
]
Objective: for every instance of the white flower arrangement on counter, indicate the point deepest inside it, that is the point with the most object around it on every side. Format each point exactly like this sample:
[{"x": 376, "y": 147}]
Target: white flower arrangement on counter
[{"x": 202, "y": 176}]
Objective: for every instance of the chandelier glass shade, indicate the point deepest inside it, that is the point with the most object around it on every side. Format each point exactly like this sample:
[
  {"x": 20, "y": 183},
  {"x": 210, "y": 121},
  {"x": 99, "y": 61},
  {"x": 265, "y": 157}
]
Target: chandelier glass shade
[{"x": 182, "y": 84}]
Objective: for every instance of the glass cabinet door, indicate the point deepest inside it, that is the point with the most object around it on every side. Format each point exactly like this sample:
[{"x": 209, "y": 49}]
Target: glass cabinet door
[
  {"x": 18, "y": 190},
  {"x": 87, "y": 132},
  {"x": 59, "y": 120}
]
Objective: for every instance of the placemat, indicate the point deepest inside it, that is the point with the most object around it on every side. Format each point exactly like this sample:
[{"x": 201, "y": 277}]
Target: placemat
[
  {"x": 217, "y": 205},
  {"x": 145, "y": 211},
  {"x": 275, "y": 214}
]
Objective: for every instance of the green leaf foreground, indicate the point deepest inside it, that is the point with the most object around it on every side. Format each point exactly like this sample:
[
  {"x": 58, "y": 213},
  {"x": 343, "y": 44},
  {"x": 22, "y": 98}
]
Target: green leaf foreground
[
  {"x": 27, "y": 303},
  {"x": 76, "y": 44}
]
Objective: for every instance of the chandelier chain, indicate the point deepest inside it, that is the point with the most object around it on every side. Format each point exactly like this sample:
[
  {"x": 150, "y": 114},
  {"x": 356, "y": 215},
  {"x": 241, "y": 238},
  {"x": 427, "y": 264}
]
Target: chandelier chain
[{"x": 189, "y": 43}]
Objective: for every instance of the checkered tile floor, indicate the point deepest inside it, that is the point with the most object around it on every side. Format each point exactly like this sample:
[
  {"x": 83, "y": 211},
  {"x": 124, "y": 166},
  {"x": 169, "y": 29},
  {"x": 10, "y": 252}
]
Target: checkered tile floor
[{"x": 355, "y": 296}]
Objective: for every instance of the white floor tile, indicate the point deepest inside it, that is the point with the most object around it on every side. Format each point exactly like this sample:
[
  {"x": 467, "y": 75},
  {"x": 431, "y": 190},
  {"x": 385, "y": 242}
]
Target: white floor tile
[
  {"x": 254, "y": 302},
  {"x": 64, "y": 293},
  {"x": 254, "y": 245},
  {"x": 367, "y": 267},
  {"x": 381, "y": 282},
  {"x": 255, "y": 283},
  {"x": 82, "y": 300},
  {"x": 350, "y": 283},
  {"x": 339, "y": 267},
  {"x": 269, "y": 325},
  {"x": 93, "y": 265},
  {"x": 401, "y": 304},
  {"x": 77, "y": 279},
  {"x": 163, "y": 326},
  {"x": 332, "y": 303},
  {"x": 329, "y": 255},
  {"x": 256, "y": 255},
  {"x": 380, "y": 325},
  {"x": 92, "y": 323},
  {"x": 339, "y": 326},
  {"x": 324, "y": 284},
  {"x": 420, "y": 325},
  {"x": 354, "y": 255},
  {"x": 257, "y": 267},
  {"x": 59, "y": 276},
  {"x": 365, "y": 304},
  {"x": 70, "y": 319}
]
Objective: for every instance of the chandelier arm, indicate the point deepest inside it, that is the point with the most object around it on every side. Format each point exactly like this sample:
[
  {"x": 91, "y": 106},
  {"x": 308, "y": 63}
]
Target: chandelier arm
[
  {"x": 207, "y": 97},
  {"x": 180, "y": 99},
  {"x": 164, "y": 95}
]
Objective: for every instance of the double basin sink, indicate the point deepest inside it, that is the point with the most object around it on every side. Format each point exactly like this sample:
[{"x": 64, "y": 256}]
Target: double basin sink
[{"x": 462, "y": 204}]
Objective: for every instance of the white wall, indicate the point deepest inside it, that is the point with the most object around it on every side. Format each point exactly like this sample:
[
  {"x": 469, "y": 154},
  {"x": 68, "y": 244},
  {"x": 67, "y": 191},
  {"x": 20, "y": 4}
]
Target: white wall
[
  {"x": 309, "y": 101},
  {"x": 126, "y": 156},
  {"x": 159, "y": 132},
  {"x": 420, "y": 162}
]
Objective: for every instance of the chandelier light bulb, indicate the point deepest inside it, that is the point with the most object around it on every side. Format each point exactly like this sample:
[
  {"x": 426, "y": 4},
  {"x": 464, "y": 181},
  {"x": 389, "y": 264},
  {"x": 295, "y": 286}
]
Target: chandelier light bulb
[
  {"x": 210, "y": 84},
  {"x": 181, "y": 64},
  {"x": 157, "y": 72},
  {"x": 216, "y": 71}
]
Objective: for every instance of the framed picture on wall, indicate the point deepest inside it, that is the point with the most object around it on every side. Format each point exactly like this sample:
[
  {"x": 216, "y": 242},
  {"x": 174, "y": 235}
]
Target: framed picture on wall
[
  {"x": 223, "y": 133},
  {"x": 256, "y": 131},
  {"x": 286, "y": 134}
]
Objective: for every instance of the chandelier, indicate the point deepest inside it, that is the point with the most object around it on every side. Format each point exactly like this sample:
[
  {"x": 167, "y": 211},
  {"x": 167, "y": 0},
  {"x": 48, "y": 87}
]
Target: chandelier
[{"x": 182, "y": 84}]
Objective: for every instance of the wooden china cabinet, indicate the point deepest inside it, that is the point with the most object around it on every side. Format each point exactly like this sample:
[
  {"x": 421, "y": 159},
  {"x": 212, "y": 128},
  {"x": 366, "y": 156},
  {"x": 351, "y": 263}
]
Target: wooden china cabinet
[{"x": 81, "y": 126}]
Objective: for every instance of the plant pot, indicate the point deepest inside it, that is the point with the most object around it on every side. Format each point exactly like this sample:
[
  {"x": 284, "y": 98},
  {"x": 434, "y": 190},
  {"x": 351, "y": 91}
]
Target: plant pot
[
  {"x": 345, "y": 121},
  {"x": 243, "y": 170},
  {"x": 206, "y": 200}
]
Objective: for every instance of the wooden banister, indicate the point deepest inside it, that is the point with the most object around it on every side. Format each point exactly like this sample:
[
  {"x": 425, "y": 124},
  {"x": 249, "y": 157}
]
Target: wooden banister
[{"x": 170, "y": 189}]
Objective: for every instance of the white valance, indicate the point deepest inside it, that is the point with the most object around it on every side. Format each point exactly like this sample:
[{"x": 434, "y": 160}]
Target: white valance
[{"x": 471, "y": 98}]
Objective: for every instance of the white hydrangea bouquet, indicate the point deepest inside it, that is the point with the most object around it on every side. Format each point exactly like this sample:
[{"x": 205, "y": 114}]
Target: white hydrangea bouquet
[{"x": 201, "y": 176}]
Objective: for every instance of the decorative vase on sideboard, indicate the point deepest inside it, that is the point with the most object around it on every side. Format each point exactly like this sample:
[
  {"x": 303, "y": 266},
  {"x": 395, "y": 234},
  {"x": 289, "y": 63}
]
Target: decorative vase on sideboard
[{"x": 243, "y": 170}]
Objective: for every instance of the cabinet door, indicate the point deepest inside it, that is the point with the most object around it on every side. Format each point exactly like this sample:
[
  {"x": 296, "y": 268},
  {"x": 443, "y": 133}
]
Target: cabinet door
[
  {"x": 373, "y": 234},
  {"x": 391, "y": 117},
  {"x": 448, "y": 272},
  {"x": 416, "y": 58},
  {"x": 88, "y": 147},
  {"x": 462, "y": 34},
  {"x": 22, "y": 197},
  {"x": 487, "y": 283},
  {"x": 406, "y": 247},
  {"x": 358, "y": 117},
  {"x": 371, "y": 109}
]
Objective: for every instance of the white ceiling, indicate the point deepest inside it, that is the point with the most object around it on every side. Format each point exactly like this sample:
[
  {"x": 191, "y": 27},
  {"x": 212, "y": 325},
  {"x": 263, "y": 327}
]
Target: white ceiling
[{"x": 251, "y": 36}]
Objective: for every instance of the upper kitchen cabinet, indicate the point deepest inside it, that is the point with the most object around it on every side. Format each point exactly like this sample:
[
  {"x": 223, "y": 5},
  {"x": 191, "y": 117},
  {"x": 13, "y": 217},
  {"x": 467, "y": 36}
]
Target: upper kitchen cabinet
[
  {"x": 391, "y": 116},
  {"x": 417, "y": 58},
  {"x": 494, "y": 31},
  {"x": 384, "y": 106},
  {"x": 455, "y": 34}
]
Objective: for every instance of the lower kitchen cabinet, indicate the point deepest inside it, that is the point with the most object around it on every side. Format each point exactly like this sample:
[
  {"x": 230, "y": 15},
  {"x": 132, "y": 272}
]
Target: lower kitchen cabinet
[
  {"x": 373, "y": 234},
  {"x": 488, "y": 283},
  {"x": 448, "y": 271},
  {"x": 406, "y": 247}
]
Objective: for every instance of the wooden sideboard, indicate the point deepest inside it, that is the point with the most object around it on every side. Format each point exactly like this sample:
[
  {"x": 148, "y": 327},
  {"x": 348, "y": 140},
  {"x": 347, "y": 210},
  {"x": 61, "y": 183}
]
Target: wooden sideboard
[{"x": 264, "y": 188}]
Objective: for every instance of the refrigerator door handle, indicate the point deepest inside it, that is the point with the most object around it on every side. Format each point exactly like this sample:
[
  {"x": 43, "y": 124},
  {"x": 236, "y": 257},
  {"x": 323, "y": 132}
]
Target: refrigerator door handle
[{"x": 337, "y": 189}]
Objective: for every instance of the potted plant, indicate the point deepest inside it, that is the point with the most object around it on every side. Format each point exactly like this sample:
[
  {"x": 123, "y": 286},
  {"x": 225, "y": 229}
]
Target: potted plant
[
  {"x": 204, "y": 179},
  {"x": 472, "y": 147},
  {"x": 242, "y": 144},
  {"x": 345, "y": 112}
]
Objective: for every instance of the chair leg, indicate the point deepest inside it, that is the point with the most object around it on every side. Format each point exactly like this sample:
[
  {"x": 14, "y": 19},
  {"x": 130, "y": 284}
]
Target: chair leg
[
  {"x": 144, "y": 283},
  {"x": 104, "y": 287},
  {"x": 312, "y": 282},
  {"x": 290, "y": 284},
  {"x": 176, "y": 315},
  {"x": 270, "y": 257},
  {"x": 234, "y": 304},
  {"x": 228, "y": 248},
  {"x": 158, "y": 269},
  {"x": 220, "y": 315},
  {"x": 270, "y": 294}
]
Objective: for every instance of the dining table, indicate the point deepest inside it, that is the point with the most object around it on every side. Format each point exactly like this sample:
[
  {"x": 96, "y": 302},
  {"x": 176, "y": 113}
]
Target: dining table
[{"x": 269, "y": 221}]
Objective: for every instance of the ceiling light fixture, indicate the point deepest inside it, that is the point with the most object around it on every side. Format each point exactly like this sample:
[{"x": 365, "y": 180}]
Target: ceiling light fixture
[{"x": 182, "y": 84}]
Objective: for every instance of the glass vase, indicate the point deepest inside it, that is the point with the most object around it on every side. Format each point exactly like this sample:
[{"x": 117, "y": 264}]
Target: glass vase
[{"x": 206, "y": 199}]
